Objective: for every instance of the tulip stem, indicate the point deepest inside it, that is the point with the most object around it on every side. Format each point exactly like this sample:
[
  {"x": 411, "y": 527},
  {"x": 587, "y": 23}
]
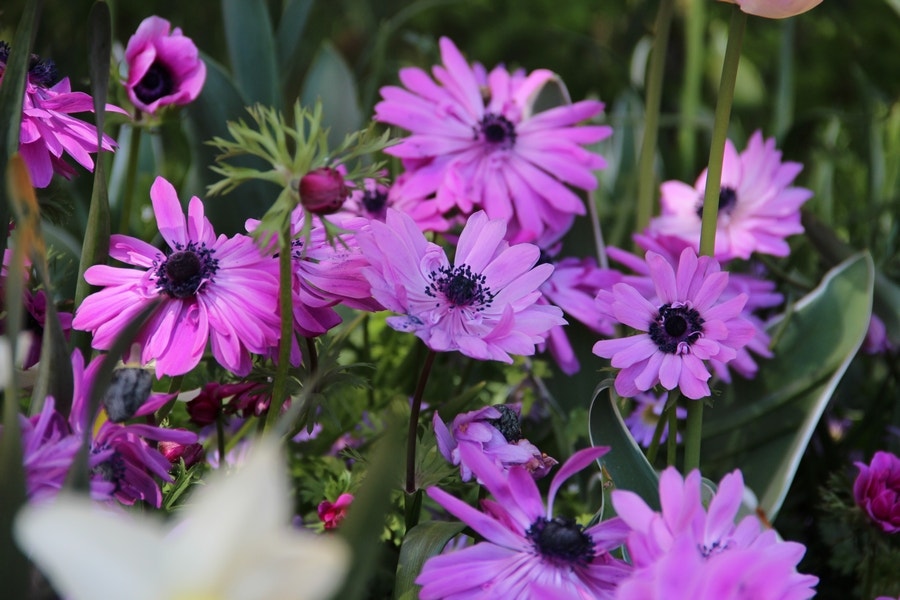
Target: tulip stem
[{"x": 415, "y": 407}]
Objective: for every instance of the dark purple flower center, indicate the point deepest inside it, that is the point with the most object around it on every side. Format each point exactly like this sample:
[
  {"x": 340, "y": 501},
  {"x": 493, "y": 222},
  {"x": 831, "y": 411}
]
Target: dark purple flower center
[
  {"x": 498, "y": 130},
  {"x": 41, "y": 72},
  {"x": 374, "y": 201},
  {"x": 156, "y": 83},
  {"x": 183, "y": 273},
  {"x": 112, "y": 469},
  {"x": 727, "y": 201},
  {"x": 561, "y": 540},
  {"x": 676, "y": 328},
  {"x": 507, "y": 424},
  {"x": 460, "y": 286}
]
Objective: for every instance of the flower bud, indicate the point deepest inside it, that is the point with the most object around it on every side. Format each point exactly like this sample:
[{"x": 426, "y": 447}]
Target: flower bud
[
  {"x": 323, "y": 191},
  {"x": 877, "y": 490}
]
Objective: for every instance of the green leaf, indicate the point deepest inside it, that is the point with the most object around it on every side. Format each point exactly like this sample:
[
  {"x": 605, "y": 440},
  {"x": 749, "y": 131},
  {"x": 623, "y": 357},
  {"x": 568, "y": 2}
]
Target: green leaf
[
  {"x": 251, "y": 50},
  {"x": 290, "y": 32},
  {"x": 330, "y": 81},
  {"x": 625, "y": 463},
  {"x": 419, "y": 544},
  {"x": 763, "y": 426}
]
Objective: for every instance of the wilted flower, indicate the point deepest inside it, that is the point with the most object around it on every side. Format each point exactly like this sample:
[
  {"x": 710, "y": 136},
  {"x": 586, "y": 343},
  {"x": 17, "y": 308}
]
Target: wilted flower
[
  {"x": 216, "y": 289},
  {"x": 476, "y": 143},
  {"x": 483, "y": 304},
  {"x": 527, "y": 553},
  {"x": 332, "y": 513},
  {"x": 494, "y": 431},
  {"x": 323, "y": 191},
  {"x": 877, "y": 490},
  {"x": 233, "y": 540},
  {"x": 48, "y": 131},
  {"x": 164, "y": 68},
  {"x": 775, "y": 9}
]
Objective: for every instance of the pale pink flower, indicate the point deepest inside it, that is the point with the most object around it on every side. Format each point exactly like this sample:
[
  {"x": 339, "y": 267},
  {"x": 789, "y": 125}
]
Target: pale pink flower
[
  {"x": 775, "y": 9},
  {"x": 214, "y": 289},
  {"x": 476, "y": 143},
  {"x": 483, "y": 304}
]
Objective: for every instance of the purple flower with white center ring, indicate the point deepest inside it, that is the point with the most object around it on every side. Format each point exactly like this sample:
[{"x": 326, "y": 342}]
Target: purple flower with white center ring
[{"x": 527, "y": 552}]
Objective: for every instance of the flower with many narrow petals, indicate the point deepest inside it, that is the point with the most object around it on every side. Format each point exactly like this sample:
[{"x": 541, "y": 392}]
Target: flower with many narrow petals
[
  {"x": 775, "y": 9},
  {"x": 232, "y": 541},
  {"x": 483, "y": 304},
  {"x": 527, "y": 553},
  {"x": 476, "y": 142},
  {"x": 217, "y": 289},
  {"x": 494, "y": 431},
  {"x": 164, "y": 67},
  {"x": 758, "y": 206},
  {"x": 877, "y": 490},
  {"x": 687, "y": 325},
  {"x": 48, "y": 130},
  {"x": 700, "y": 551}
]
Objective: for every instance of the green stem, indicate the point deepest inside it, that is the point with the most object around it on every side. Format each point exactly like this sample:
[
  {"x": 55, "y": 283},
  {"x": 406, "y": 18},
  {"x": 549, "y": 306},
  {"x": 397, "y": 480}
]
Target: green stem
[
  {"x": 602, "y": 259},
  {"x": 134, "y": 151},
  {"x": 414, "y": 422},
  {"x": 653, "y": 450},
  {"x": 279, "y": 386},
  {"x": 692, "y": 435},
  {"x": 312, "y": 356},
  {"x": 220, "y": 437},
  {"x": 695, "y": 27},
  {"x": 646, "y": 177},
  {"x": 672, "y": 418}
]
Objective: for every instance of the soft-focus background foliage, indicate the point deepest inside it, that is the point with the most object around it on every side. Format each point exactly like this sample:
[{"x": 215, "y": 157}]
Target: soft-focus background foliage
[{"x": 826, "y": 85}]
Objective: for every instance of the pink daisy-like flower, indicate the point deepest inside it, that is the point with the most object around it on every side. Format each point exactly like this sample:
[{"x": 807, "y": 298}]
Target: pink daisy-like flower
[
  {"x": 701, "y": 550},
  {"x": 527, "y": 553},
  {"x": 48, "y": 130},
  {"x": 688, "y": 326},
  {"x": 496, "y": 432},
  {"x": 476, "y": 143},
  {"x": 483, "y": 304},
  {"x": 758, "y": 206},
  {"x": 164, "y": 67},
  {"x": 216, "y": 289}
]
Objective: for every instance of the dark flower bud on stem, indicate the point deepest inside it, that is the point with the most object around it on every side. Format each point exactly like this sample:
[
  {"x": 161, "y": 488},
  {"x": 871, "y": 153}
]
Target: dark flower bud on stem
[{"x": 323, "y": 191}]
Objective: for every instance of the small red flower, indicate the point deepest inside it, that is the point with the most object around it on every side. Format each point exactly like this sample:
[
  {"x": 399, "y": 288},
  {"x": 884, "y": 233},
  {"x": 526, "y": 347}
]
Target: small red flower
[{"x": 332, "y": 513}]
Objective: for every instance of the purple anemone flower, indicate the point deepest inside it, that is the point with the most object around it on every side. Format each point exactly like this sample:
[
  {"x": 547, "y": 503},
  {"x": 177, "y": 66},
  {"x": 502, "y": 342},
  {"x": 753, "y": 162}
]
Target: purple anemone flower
[
  {"x": 701, "y": 550},
  {"x": 877, "y": 490},
  {"x": 483, "y": 304},
  {"x": 496, "y": 432},
  {"x": 645, "y": 415},
  {"x": 687, "y": 325},
  {"x": 527, "y": 553},
  {"x": 217, "y": 289},
  {"x": 477, "y": 143},
  {"x": 164, "y": 67},
  {"x": 48, "y": 130},
  {"x": 48, "y": 449}
]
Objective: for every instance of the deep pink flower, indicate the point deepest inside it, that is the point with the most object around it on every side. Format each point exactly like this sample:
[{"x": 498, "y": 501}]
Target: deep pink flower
[
  {"x": 775, "y": 9},
  {"x": 476, "y": 143},
  {"x": 645, "y": 416},
  {"x": 217, "y": 289},
  {"x": 684, "y": 327},
  {"x": 758, "y": 206},
  {"x": 877, "y": 490},
  {"x": 483, "y": 304},
  {"x": 191, "y": 454},
  {"x": 332, "y": 513},
  {"x": 527, "y": 553},
  {"x": 47, "y": 130},
  {"x": 702, "y": 550},
  {"x": 323, "y": 191},
  {"x": 496, "y": 432},
  {"x": 164, "y": 67}
]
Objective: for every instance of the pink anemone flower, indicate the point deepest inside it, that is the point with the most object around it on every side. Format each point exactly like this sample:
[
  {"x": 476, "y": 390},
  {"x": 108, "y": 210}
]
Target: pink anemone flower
[
  {"x": 775, "y": 9},
  {"x": 164, "y": 67},
  {"x": 214, "y": 289},
  {"x": 483, "y": 304},
  {"x": 477, "y": 143}
]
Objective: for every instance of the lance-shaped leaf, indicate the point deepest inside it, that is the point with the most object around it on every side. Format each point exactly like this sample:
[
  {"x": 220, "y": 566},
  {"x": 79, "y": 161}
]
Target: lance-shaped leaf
[
  {"x": 419, "y": 544},
  {"x": 763, "y": 426},
  {"x": 251, "y": 49}
]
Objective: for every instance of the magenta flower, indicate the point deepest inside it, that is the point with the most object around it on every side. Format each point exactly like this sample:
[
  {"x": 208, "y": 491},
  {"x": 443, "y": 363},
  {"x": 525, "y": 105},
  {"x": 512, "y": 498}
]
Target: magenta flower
[
  {"x": 688, "y": 326},
  {"x": 216, "y": 289},
  {"x": 527, "y": 553},
  {"x": 48, "y": 130},
  {"x": 483, "y": 304},
  {"x": 877, "y": 490},
  {"x": 496, "y": 432},
  {"x": 645, "y": 415},
  {"x": 476, "y": 143},
  {"x": 323, "y": 191},
  {"x": 48, "y": 450},
  {"x": 164, "y": 67},
  {"x": 332, "y": 513},
  {"x": 703, "y": 550},
  {"x": 758, "y": 207},
  {"x": 775, "y": 9}
]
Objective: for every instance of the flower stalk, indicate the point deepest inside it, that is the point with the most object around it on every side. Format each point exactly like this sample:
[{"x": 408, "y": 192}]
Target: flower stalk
[
  {"x": 279, "y": 386},
  {"x": 415, "y": 408}
]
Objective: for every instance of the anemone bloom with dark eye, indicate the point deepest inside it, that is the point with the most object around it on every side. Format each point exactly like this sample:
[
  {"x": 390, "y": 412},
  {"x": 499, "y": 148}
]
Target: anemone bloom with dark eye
[
  {"x": 483, "y": 304},
  {"x": 527, "y": 552},
  {"x": 217, "y": 289},
  {"x": 476, "y": 142},
  {"x": 687, "y": 325},
  {"x": 163, "y": 67}
]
